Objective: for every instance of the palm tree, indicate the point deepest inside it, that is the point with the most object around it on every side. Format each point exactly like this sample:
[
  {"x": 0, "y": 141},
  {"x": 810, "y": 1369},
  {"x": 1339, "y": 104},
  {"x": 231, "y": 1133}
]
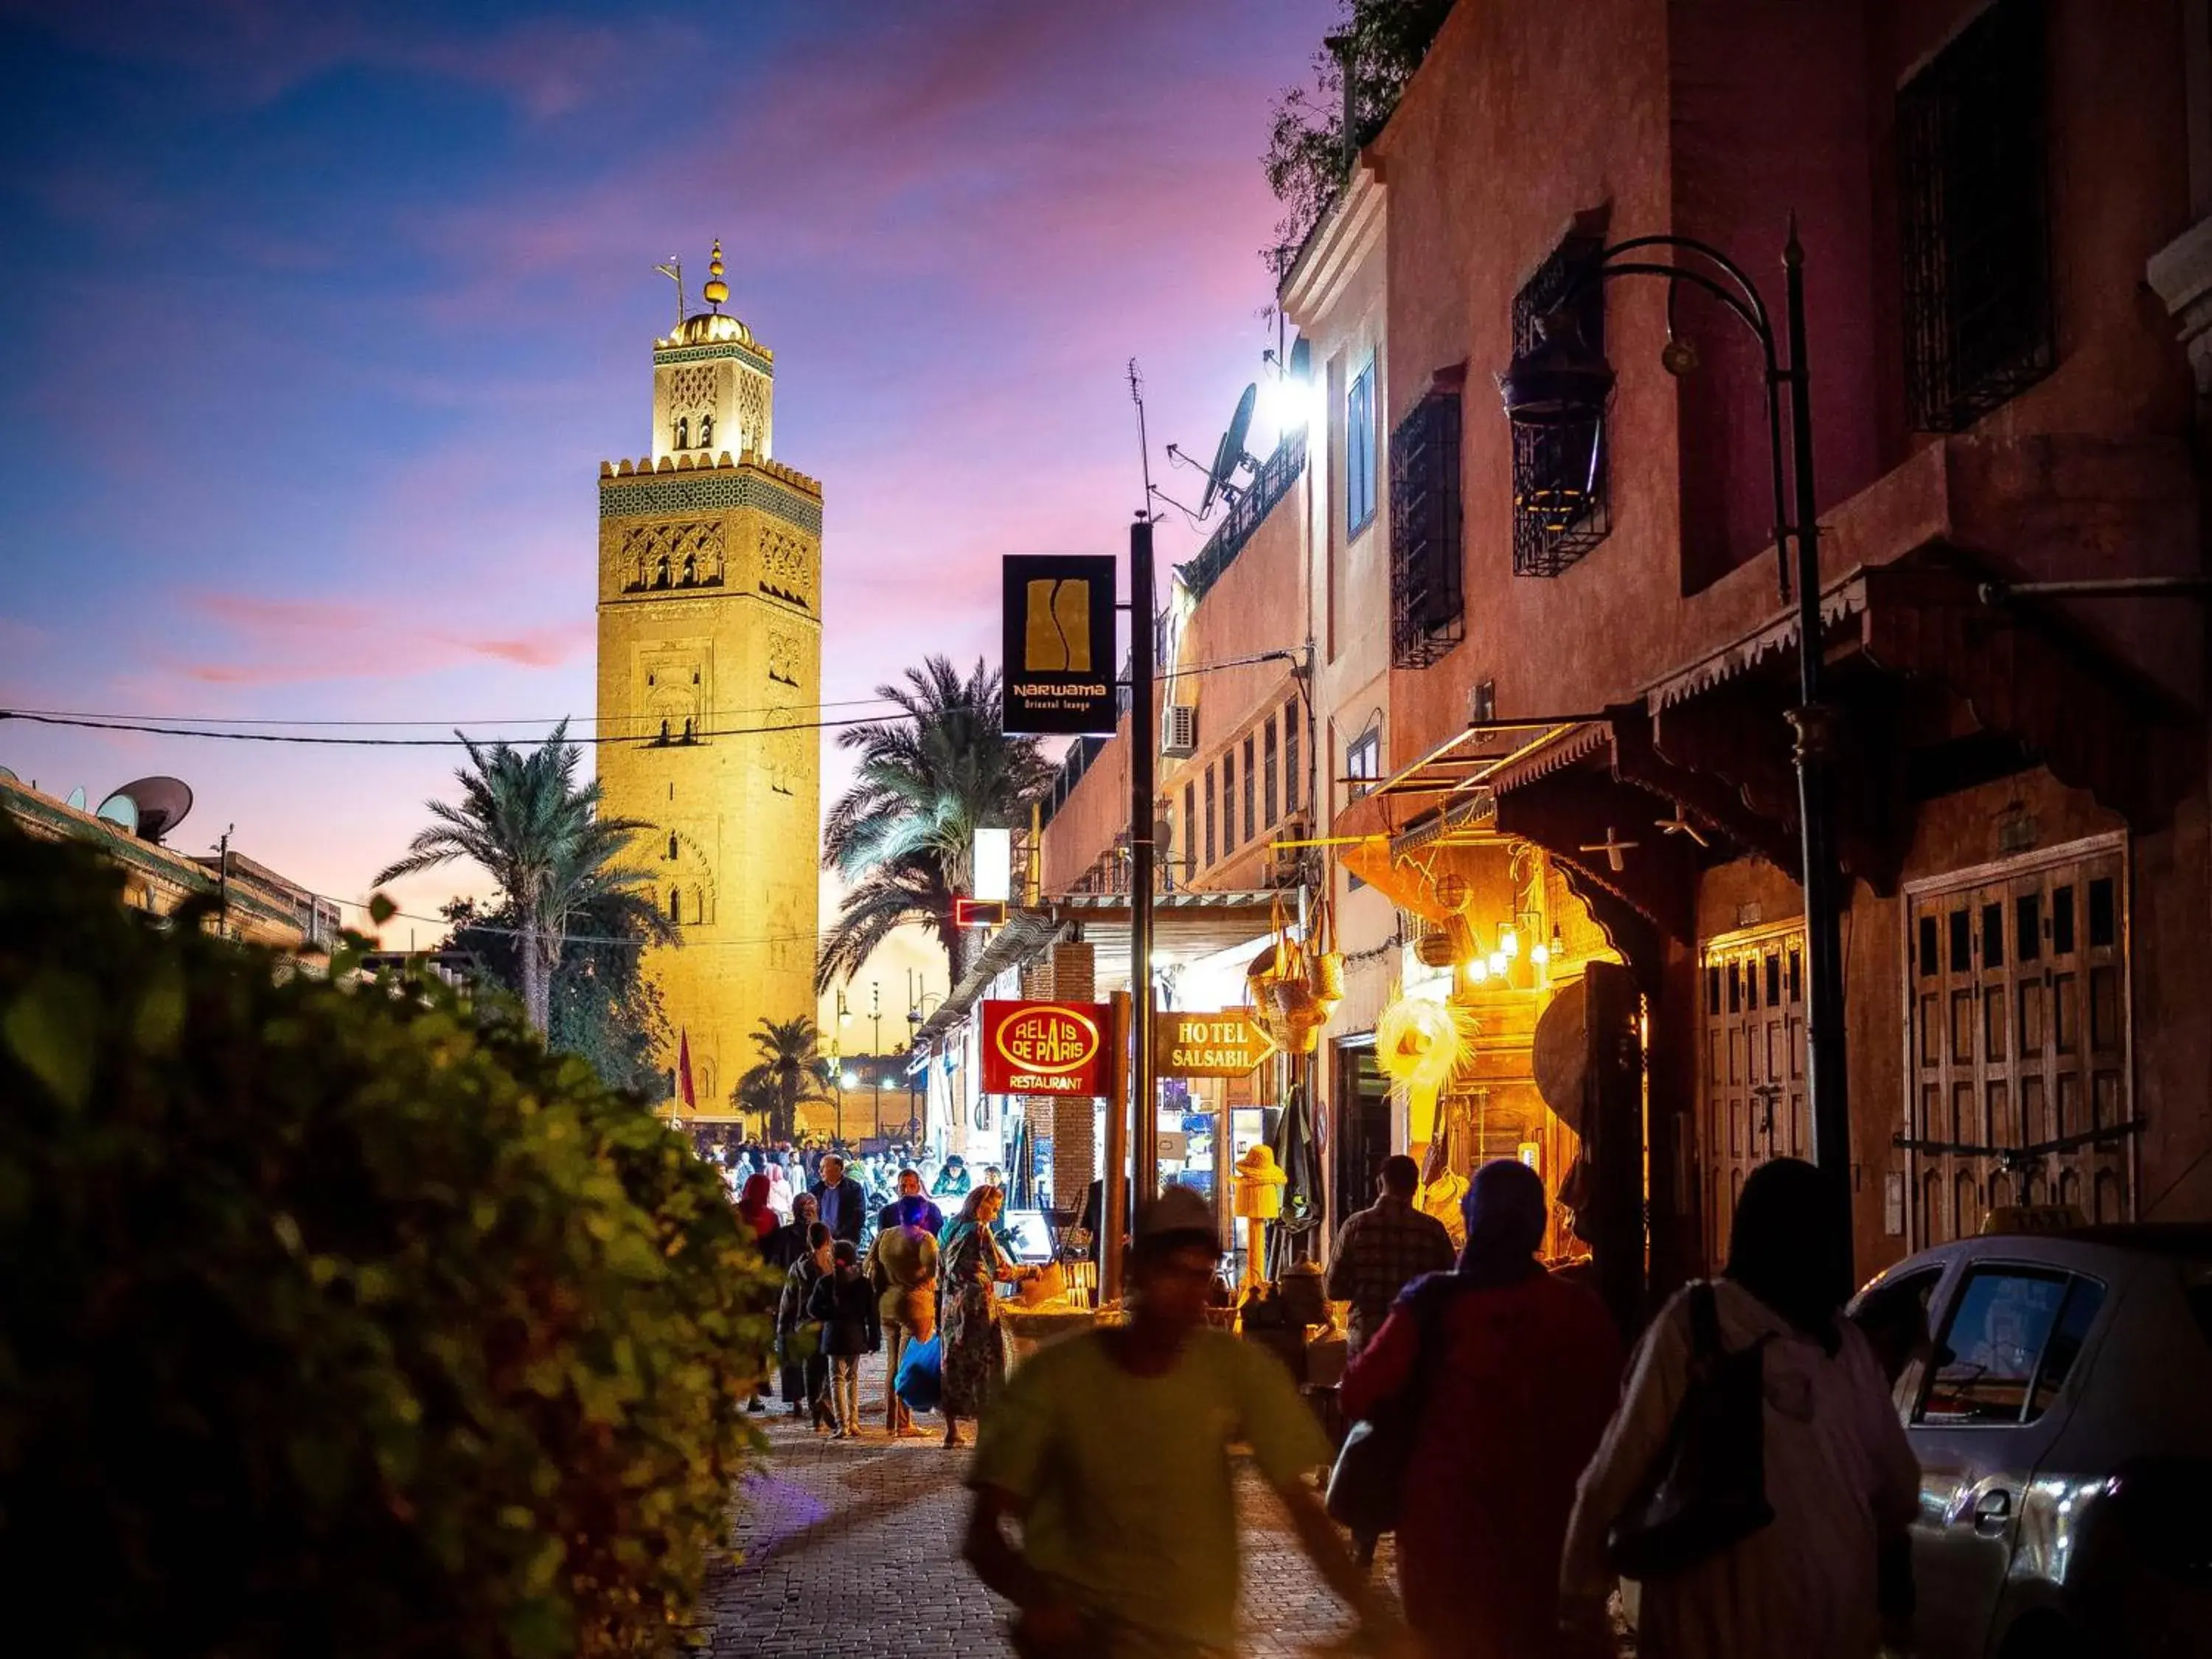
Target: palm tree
[
  {"x": 791, "y": 1071},
  {"x": 526, "y": 821},
  {"x": 902, "y": 834}
]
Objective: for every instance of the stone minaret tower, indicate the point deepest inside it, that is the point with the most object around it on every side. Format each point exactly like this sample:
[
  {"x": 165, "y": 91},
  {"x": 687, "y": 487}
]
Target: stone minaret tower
[{"x": 710, "y": 675}]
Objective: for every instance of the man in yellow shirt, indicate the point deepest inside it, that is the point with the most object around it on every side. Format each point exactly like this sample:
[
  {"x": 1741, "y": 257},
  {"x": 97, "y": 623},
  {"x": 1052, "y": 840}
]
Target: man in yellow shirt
[{"x": 1112, "y": 1451}]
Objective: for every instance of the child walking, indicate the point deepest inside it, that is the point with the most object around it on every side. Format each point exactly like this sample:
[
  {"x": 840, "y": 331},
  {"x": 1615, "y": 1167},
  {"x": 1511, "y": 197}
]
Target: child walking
[{"x": 845, "y": 1302}]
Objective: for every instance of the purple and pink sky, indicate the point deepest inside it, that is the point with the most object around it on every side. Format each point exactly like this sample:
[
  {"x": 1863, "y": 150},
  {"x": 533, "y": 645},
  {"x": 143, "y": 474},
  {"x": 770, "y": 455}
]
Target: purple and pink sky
[{"x": 316, "y": 323}]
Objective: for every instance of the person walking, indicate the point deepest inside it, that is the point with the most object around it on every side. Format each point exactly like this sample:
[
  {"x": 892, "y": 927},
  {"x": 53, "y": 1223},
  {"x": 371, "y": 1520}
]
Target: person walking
[
  {"x": 840, "y": 1201},
  {"x": 1111, "y": 1449},
  {"x": 1840, "y": 1476},
  {"x": 1497, "y": 1341},
  {"x": 903, "y": 1268},
  {"x": 974, "y": 1264},
  {"x": 805, "y": 1368},
  {"x": 845, "y": 1303},
  {"x": 1384, "y": 1248},
  {"x": 789, "y": 1244},
  {"x": 909, "y": 1186}
]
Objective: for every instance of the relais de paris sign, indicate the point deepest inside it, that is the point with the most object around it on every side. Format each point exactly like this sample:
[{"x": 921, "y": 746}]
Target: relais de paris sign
[{"x": 1045, "y": 1048}]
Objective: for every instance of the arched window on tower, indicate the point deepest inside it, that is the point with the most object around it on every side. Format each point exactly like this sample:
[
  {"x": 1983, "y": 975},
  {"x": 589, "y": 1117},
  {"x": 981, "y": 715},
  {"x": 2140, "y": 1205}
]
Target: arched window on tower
[
  {"x": 672, "y": 843},
  {"x": 683, "y": 432},
  {"x": 706, "y": 430},
  {"x": 664, "y": 731},
  {"x": 675, "y": 904},
  {"x": 688, "y": 731},
  {"x": 690, "y": 570},
  {"x": 660, "y": 572}
]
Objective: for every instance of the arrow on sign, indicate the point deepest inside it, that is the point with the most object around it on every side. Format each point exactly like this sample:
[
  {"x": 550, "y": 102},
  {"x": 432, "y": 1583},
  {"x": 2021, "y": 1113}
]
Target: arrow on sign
[{"x": 1227, "y": 1042}]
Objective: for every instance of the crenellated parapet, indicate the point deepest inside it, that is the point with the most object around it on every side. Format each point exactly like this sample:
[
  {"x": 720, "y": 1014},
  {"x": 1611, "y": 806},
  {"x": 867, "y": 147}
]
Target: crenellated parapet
[{"x": 647, "y": 466}]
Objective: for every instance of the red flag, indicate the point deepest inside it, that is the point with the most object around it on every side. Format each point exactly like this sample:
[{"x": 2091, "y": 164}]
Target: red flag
[{"x": 685, "y": 1096}]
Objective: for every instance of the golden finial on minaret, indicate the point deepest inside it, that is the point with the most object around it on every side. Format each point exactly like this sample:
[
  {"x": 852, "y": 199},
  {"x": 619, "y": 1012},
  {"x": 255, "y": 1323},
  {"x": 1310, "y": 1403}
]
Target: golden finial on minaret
[{"x": 717, "y": 290}]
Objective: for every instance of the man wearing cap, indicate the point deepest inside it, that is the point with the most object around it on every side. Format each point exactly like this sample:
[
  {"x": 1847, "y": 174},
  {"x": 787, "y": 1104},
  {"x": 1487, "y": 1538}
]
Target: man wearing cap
[{"x": 1112, "y": 1451}]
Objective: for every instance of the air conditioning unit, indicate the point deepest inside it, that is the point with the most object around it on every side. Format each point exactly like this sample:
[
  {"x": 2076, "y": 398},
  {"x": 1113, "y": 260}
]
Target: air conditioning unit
[{"x": 1179, "y": 730}]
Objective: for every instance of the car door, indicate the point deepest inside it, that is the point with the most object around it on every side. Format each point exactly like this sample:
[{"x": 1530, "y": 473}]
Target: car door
[{"x": 1986, "y": 1414}]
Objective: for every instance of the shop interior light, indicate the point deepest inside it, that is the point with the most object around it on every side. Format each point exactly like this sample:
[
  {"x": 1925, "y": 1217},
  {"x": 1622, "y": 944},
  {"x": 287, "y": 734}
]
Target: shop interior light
[
  {"x": 1559, "y": 947},
  {"x": 1477, "y": 971},
  {"x": 1540, "y": 954},
  {"x": 1508, "y": 942},
  {"x": 1498, "y": 963}
]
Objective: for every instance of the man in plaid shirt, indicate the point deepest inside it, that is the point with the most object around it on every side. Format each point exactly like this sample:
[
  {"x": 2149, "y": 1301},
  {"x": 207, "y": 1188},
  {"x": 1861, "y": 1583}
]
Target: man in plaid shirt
[{"x": 1384, "y": 1248}]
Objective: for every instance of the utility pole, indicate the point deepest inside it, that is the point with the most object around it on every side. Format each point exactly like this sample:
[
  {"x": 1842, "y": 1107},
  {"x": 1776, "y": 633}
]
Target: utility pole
[
  {"x": 876, "y": 1016},
  {"x": 1143, "y": 746}
]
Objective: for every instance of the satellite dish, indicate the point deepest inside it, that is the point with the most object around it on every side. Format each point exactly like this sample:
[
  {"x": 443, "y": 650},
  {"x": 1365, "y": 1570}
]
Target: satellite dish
[
  {"x": 77, "y": 798},
  {"x": 120, "y": 810},
  {"x": 1231, "y": 455},
  {"x": 160, "y": 803},
  {"x": 1163, "y": 834}
]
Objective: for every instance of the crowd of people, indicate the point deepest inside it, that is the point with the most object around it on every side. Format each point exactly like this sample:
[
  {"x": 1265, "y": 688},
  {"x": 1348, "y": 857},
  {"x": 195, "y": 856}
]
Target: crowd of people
[
  {"x": 1103, "y": 1508},
  {"x": 871, "y": 1261}
]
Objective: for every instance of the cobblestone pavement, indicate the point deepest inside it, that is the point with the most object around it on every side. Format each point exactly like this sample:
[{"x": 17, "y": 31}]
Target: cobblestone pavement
[{"x": 852, "y": 1549}]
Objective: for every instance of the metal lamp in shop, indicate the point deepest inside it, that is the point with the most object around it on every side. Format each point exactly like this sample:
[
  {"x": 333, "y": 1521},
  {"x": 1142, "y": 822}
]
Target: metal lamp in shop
[{"x": 1563, "y": 383}]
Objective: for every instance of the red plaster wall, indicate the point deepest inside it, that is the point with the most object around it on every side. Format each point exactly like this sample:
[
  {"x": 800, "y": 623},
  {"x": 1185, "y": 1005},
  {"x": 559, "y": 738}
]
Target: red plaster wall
[{"x": 1258, "y": 605}]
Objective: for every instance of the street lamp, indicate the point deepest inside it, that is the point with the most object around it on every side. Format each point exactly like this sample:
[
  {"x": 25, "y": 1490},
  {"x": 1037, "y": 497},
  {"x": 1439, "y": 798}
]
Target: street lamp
[{"x": 1562, "y": 382}]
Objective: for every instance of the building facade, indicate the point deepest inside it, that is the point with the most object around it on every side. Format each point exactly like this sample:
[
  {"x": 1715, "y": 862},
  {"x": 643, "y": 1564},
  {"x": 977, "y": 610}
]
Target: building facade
[
  {"x": 1982, "y": 192},
  {"x": 709, "y": 677}
]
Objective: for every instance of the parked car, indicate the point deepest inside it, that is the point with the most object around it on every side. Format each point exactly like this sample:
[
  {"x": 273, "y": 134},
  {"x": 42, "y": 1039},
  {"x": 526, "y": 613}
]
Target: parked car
[{"x": 2063, "y": 1417}]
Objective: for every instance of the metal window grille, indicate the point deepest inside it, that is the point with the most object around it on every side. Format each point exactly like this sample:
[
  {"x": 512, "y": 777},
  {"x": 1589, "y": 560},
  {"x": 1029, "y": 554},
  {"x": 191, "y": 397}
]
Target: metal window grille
[
  {"x": 1209, "y": 815},
  {"x": 1427, "y": 610},
  {"x": 1189, "y": 830},
  {"x": 1289, "y": 757},
  {"x": 1975, "y": 228},
  {"x": 1561, "y": 508},
  {"x": 1271, "y": 794}
]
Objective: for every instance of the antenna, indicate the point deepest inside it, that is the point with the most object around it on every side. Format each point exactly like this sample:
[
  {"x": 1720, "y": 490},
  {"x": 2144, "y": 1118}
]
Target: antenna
[
  {"x": 1228, "y": 456},
  {"x": 156, "y": 806},
  {"x": 674, "y": 271},
  {"x": 1144, "y": 444}
]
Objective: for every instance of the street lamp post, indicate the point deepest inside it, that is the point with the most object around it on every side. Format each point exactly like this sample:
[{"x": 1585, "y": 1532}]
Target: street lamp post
[{"x": 1563, "y": 383}]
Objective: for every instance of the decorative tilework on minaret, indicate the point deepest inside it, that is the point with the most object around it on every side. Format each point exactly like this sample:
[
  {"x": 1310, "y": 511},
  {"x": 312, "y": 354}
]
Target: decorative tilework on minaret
[{"x": 710, "y": 671}]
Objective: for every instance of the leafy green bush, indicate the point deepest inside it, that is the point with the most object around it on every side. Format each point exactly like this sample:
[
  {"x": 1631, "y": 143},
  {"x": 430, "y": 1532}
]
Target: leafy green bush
[{"x": 339, "y": 1322}]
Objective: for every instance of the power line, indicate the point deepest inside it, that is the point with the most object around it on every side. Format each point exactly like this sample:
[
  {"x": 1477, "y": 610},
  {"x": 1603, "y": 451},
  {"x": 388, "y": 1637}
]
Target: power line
[
  {"x": 505, "y": 719},
  {"x": 187, "y": 726},
  {"x": 97, "y": 724}
]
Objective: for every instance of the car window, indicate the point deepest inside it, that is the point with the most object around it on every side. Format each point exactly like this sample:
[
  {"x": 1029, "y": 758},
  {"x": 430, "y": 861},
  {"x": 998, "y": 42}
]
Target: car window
[
  {"x": 1988, "y": 1357},
  {"x": 2083, "y": 1298}
]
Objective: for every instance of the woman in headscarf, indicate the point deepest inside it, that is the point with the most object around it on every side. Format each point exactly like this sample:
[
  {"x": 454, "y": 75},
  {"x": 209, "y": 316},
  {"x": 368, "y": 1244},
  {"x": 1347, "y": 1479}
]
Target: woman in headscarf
[
  {"x": 1520, "y": 1370},
  {"x": 789, "y": 1244},
  {"x": 805, "y": 1366},
  {"x": 780, "y": 1193},
  {"x": 753, "y": 1211},
  {"x": 1840, "y": 1477}
]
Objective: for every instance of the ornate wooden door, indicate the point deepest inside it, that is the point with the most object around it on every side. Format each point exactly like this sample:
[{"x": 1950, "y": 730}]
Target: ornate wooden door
[
  {"x": 2019, "y": 1073},
  {"x": 1753, "y": 1069}
]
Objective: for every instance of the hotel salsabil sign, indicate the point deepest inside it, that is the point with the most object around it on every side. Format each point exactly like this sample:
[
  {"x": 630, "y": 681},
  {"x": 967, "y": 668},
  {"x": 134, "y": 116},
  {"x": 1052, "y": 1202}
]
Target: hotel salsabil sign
[{"x": 1045, "y": 1048}]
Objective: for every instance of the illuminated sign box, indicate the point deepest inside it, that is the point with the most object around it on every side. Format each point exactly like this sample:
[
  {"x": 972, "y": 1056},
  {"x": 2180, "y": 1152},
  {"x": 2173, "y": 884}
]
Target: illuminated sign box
[
  {"x": 1058, "y": 678},
  {"x": 1045, "y": 1048}
]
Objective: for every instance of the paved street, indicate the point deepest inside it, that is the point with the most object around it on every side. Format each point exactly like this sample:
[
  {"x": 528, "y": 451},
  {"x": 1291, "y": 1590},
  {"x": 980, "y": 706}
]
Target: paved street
[{"x": 852, "y": 1549}]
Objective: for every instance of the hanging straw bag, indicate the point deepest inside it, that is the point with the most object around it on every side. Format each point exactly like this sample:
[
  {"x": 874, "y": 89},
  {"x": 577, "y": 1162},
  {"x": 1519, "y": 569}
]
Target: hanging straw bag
[{"x": 1324, "y": 962}]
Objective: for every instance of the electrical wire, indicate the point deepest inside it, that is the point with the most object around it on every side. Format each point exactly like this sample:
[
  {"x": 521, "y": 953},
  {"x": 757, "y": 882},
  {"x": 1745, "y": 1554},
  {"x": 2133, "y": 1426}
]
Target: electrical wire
[
  {"x": 168, "y": 726},
  {"x": 507, "y": 719},
  {"x": 97, "y": 724}
]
